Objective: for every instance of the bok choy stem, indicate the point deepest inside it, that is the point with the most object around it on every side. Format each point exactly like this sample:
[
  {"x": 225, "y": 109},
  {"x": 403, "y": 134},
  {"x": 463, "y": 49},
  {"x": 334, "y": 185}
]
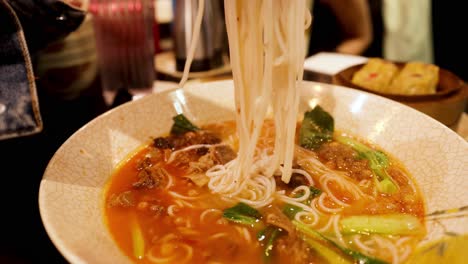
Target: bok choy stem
[
  {"x": 355, "y": 255},
  {"x": 392, "y": 224},
  {"x": 138, "y": 241}
]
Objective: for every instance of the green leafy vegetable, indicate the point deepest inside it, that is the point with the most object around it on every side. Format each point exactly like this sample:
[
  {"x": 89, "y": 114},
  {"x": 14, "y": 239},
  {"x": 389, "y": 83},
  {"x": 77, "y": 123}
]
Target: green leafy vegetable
[
  {"x": 291, "y": 210},
  {"x": 317, "y": 128},
  {"x": 378, "y": 163},
  {"x": 309, "y": 233},
  {"x": 182, "y": 125},
  {"x": 268, "y": 236},
  {"x": 396, "y": 224},
  {"x": 314, "y": 192},
  {"x": 243, "y": 214}
]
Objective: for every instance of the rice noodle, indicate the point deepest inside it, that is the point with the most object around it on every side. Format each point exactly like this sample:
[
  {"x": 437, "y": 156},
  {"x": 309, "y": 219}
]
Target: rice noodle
[
  {"x": 305, "y": 193},
  {"x": 167, "y": 238},
  {"x": 365, "y": 183},
  {"x": 342, "y": 182},
  {"x": 188, "y": 231},
  {"x": 406, "y": 252},
  {"x": 209, "y": 211},
  {"x": 294, "y": 202},
  {"x": 244, "y": 233},
  {"x": 402, "y": 240},
  {"x": 336, "y": 228},
  {"x": 396, "y": 250},
  {"x": 321, "y": 205},
  {"x": 384, "y": 243},
  {"x": 218, "y": 235},
  {"x": 170, "y": 181},
  {"x": 183, "y": 197},
  {"x": 266, "y": 42},
  {"x": 362, "y": 247},
  {"x": 406, "y": 249},
  {"x": 327, "y": 225},
  {"x": 172, "y": 258},
  {"x": 182, "y": 203},
  {"x": 309, "y": 218},
  {"x": 257, "y": 190},
  {"x": 172, "y": 209},
  {"x": 193, "y": 42}
]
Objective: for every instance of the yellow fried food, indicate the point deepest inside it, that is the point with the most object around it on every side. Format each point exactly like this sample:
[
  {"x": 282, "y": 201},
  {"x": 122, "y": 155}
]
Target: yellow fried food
[
  {"x": 415, "y": 78},
  {"x": 375, "y": 75}
]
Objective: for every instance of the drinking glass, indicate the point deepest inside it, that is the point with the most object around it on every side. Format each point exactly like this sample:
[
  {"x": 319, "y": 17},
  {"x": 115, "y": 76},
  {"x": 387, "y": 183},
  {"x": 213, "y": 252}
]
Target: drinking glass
[{"x": 125, "y": 45}]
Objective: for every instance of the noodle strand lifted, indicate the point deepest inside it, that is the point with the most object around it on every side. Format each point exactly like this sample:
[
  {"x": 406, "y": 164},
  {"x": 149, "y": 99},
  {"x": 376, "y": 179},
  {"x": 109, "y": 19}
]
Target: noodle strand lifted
[{"x": 267, "y": 57}]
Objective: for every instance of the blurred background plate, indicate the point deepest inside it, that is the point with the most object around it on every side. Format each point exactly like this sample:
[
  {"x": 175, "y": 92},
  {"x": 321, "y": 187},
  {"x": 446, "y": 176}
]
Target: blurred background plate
[
  {"x": 165, "y": 63},
  {"x": 446, "y": 106},
  {"x": 448, "y": 84}
]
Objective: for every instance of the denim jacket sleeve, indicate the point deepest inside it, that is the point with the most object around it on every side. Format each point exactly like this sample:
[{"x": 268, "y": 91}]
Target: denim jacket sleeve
[{"x": 26, "y": 27}]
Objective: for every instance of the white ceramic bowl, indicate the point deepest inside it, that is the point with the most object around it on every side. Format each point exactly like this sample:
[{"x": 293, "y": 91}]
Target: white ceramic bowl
[{"x": 71, "y": 192}]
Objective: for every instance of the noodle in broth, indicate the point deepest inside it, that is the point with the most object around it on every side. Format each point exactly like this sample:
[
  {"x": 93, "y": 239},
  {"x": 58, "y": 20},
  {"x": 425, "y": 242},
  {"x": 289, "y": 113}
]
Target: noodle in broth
[
  {"x": 182, "y": 219},
  {"x": 247, "y": 191}
]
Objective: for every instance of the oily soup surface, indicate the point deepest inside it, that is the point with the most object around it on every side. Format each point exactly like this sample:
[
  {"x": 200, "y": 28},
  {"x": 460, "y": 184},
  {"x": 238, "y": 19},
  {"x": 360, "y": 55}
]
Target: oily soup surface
[{"x": 159, "y": 208}]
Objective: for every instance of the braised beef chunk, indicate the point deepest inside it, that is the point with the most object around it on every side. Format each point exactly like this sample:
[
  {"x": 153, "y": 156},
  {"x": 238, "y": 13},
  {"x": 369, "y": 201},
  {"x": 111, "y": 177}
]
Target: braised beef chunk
[
  {"x": 297, "y": 180},
  {"x": 153, "y": 207},
  {"x": 198, "y": 165},
  {"x": 201, "y": 165},
  {"x": 151, "y": 177},
  {"x": 162, "y": 143},
  {"x": 124, "y": 199},
  {"x": 219, "y": 250},
  {"x": 289, "y": 246},
  {"x": 223, "y": 154},
  {"x": 341, "y": 157},
  {"x": 185, "y": 158},
  {"x": 145, "y": 179},
  {"x": 202, "y": 151},
  {"x": 144, "y": 164},
  {"x": 176, "y": 142},
  {"x": 275, "y": 217},
  {"x": 157, "y": 209},
  {"x": 294, "y": 249}
]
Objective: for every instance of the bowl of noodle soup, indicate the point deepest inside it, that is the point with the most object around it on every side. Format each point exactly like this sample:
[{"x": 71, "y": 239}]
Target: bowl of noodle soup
[
  {"x": 262, "y": 169},
  {"x": 74, "y": 193}
]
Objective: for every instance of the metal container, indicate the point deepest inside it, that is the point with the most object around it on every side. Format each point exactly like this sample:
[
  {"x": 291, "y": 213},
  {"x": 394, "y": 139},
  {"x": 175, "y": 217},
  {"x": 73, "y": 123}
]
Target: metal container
[{"x": 208, "y": 54}]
